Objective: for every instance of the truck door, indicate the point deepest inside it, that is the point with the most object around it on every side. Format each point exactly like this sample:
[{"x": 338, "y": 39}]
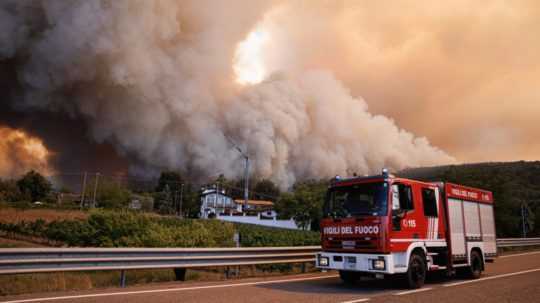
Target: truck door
[
  {"x": 404, "y": 221},
  {"x": 430, "y": 203}
]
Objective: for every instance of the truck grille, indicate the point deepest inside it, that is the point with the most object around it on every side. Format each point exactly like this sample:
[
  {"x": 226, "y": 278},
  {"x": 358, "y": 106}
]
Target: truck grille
[{"x": 345, "y": 243}]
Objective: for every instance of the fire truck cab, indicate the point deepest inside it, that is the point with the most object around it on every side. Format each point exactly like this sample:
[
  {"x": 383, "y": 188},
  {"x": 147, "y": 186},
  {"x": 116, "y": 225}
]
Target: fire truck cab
[{"x": 383, "y": 225}]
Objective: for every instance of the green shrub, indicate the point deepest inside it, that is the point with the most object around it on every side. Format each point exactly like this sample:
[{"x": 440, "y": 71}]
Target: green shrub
[{"x": 254, "y": 235}]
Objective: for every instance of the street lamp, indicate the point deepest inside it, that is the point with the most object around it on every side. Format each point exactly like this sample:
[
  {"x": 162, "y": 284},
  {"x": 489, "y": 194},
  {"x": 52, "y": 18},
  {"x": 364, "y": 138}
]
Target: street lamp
[
  {"x": 246, "y": 172},
  {"x": 246, "y": 177}
]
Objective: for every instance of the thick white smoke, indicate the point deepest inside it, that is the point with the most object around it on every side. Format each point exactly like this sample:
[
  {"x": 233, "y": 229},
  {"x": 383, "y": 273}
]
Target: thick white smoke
[
  {"x": 312, "y": 126},
  {"x": 156, "y": 78}
]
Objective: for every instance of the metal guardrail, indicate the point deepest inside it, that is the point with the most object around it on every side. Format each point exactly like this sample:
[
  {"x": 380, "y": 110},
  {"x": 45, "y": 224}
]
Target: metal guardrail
[
  {"x": 33, "y": 260},
  {"x": 514, "y": 242}
]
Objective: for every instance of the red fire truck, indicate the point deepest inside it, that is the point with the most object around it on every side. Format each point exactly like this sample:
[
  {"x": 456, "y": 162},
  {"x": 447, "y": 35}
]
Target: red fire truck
[{"x": 383, "y": 225}]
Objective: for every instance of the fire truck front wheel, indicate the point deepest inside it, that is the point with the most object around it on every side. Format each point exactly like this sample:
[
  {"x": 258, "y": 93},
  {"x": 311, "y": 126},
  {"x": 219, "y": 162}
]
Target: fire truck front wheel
[
  {"x": 349, "y": 277},
  {"x": 416, "y": 273}
]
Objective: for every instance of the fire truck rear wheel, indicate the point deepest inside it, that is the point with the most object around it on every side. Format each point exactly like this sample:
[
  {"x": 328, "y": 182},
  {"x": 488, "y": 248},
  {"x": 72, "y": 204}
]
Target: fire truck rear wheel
[
  {"x": 475, "y": 270},
  {"x": 416, "y": 274},
  {"x": 349, "y": 277}
]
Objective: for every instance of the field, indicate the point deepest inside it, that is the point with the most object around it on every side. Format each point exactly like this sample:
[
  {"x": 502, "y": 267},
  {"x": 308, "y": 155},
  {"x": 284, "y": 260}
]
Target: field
[{"x": 15, "y": 215}]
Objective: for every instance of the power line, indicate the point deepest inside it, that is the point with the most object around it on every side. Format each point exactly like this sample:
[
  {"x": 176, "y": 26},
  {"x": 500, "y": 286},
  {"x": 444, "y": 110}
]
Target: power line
[{"x": 150, "y": 181}]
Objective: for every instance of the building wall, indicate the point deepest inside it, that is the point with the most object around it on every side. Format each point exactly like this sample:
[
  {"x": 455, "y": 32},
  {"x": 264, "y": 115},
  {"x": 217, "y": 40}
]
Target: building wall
[
  {"x": 216, "y": 203},
  {"x": 290, "y": 224}
]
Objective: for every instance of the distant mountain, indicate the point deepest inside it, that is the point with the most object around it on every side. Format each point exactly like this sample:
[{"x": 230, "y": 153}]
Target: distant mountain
[{"x": 512, "y": 184}]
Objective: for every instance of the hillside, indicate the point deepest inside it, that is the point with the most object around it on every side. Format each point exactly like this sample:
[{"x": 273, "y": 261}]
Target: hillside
[{"x": 512, "y": 184}]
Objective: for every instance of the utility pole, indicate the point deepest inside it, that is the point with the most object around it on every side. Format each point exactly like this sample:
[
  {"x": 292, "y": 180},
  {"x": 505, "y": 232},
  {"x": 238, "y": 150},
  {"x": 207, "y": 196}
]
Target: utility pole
[
  {"x": 180, "y": 213},
  {"x": 246, "y": 171},
  {"x": 523, "y": 210},
  {"x": 246, "y": 177},
  {"x": 95, "y": 190},
  {"x": 246, "y": 183},
  {"x": 174, "y": 204},
  {"x": 83, "y": 190}
]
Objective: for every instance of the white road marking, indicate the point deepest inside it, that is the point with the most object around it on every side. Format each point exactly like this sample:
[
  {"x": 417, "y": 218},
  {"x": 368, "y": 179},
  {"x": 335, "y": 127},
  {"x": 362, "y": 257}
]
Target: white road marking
[
  {"x": 493, "y": 277},
  {"x": 412, "y": 291},
  {"x": 168, "y": 290},
  {"x": 522, "y": 254},
  {"x": 357, "y": 300}
]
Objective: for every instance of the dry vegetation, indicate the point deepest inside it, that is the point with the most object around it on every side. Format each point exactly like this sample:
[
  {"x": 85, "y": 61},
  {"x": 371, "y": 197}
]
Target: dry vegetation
[
  {"x": 44, "y": 282},
  {"x": 14, "y": 215},
  {"x": 12, "y": 243}
]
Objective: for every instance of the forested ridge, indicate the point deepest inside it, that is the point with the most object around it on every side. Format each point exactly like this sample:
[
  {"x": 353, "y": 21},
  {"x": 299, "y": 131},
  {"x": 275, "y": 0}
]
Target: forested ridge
[{"x": 513, "y": 184}]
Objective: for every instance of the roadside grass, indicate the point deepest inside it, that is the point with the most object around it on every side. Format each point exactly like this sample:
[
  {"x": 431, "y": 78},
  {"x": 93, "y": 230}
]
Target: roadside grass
[
  {"x": 11, "y": 243},
  {"x": 518, "y": 249},
  {"x": 68, "y": 281}
]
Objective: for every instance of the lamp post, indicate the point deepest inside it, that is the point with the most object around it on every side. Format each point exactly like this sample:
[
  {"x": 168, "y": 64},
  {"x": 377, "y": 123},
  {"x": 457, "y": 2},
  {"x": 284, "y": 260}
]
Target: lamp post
[
  {"x": 246, "y": 171},
  {"x": 246, "y": 177}
]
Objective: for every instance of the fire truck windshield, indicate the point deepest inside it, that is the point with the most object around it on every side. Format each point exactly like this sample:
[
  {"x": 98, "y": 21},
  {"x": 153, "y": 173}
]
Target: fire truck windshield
[{"x": 368, "y": 199}]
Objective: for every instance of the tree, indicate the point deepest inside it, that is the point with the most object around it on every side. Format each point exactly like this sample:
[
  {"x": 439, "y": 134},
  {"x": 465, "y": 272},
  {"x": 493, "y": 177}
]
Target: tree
[
  {"x": 304, "y": 204},
  {"x": 34, "y": 185},
  {"x": 233, "y": 188},
  {"x": 191, "y": 203},
  {"x": 266, "y": 190},
  {"x": 9, "y": 191},
  {"x": 173, "y": 193},
  {"x": 168, "y": 192},
  {"x": 112, "y": 195},
  {"x": 163, "y": 201},
  {"x": 171, "y": 179},
  {"x": 528, "y": 217}
]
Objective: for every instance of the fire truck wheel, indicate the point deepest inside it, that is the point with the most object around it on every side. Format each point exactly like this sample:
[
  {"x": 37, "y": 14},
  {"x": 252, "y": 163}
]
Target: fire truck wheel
[
  {"x": 349, "y": 277},
  {"x": 416, "y": 274},
  {"x": 475, "y": 270}
]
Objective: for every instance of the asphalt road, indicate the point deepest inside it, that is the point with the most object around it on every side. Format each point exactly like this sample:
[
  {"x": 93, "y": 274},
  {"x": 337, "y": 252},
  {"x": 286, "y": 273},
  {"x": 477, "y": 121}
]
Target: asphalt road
[{"x": 512, "y": 278}]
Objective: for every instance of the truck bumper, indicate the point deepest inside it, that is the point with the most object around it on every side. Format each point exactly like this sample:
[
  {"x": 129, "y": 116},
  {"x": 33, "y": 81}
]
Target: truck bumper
[{"x": 370, "y": 263}]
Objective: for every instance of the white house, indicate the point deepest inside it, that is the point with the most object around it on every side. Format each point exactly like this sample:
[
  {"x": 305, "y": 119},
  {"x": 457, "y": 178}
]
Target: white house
[{"x": 216, "y": 204}]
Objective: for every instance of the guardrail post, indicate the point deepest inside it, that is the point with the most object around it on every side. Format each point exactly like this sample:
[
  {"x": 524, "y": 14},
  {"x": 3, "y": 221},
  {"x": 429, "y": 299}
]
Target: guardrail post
[
  {"x": 122, "y": 278},
  {"x": 180, "y": 274},
  {"x": 303, "y": 267}
]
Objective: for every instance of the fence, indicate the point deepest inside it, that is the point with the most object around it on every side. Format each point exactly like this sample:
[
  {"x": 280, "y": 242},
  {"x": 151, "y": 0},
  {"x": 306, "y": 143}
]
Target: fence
[{"x": 516, "y": 242}]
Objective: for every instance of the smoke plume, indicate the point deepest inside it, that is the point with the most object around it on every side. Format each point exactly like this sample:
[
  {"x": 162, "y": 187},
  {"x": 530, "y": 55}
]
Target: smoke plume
[{"x": 157, "y": 79}]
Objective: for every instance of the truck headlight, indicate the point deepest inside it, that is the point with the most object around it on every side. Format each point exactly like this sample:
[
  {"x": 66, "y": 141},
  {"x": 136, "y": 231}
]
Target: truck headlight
[
  {"x": 378, "y": 264},
  {"x": 323, "y": 261}
]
